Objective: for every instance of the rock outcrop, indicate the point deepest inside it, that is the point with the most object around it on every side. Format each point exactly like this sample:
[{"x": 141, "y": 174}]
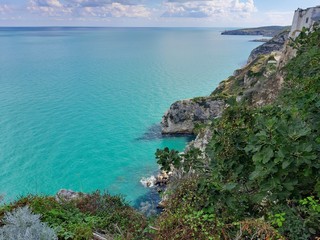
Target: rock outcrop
[
  {"x": 65, "y": 195},
  {"x": 183, "y": 115},
  {"x": 257, "y": 83},
  {"x": 275, "y": 44},
  {"x": 201, "y": 141}
]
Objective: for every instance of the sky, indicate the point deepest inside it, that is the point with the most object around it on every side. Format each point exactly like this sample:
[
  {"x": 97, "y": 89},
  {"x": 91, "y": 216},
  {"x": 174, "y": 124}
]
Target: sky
[{"x": 150, "y": 13}]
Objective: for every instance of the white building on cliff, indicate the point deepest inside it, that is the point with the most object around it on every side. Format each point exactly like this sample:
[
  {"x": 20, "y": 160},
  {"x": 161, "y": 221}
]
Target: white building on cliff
[{"x": 304, "y": 18}]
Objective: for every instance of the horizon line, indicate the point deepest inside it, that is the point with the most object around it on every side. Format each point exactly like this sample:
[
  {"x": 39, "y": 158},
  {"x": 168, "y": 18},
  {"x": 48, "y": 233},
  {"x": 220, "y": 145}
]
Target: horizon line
[{"x": 53, "y": 26}]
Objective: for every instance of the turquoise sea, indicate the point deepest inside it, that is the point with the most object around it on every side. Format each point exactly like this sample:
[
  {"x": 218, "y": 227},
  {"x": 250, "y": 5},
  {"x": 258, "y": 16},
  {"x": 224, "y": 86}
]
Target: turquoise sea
[{"x": 79, "y": 107}]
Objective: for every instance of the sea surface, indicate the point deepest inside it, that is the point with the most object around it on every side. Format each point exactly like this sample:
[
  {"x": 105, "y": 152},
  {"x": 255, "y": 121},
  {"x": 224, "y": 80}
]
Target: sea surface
[{"x": 80, "y": 107}]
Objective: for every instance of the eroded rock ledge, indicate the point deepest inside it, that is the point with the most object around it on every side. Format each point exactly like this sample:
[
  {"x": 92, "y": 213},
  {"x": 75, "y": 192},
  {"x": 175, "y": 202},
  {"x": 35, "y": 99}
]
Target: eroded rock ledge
[{"x": 184, "y": 115}]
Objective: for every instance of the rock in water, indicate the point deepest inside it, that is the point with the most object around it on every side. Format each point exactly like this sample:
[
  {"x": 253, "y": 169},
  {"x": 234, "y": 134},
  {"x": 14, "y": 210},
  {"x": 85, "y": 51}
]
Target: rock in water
[
  {"x": 149, "y": 181},
  {"x": 183, "y": 115}
]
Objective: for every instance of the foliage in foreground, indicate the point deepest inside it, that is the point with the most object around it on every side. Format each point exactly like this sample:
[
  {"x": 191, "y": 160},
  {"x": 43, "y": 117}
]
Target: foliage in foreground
[
  {"x": 264, "y": 180},
  {"x": 22, "y": 224},
  {"x": 78, "y": 219}
]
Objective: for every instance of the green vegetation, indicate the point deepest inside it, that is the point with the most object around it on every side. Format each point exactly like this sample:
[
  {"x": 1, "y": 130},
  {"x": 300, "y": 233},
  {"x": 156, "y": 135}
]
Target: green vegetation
[
  {"x": 22, "y": 224},
  {"x": 172, "y": 159},
  {"x": 246, "y": 81},
  {"x": 78, "y": 219},
  {"x": 263, "y": 181}
]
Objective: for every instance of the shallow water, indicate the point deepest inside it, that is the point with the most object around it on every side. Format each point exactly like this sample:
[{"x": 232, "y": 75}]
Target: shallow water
[{"x": 79, "y": 107}]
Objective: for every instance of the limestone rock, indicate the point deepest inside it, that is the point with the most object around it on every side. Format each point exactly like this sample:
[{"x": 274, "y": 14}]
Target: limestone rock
[
  {"x": 148, "y": 181},
  {"x": 277, "y": 43},
  {"x": 183, "y": 115},
  {"x": 67, "y": 195},
  {"x": 201, "y": 141}
]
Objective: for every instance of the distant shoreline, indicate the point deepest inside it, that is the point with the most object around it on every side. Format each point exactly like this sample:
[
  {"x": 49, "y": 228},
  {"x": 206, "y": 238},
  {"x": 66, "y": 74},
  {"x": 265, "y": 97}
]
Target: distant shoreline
[
  {"x": 260, "y": 40},
  {"x": 267, "y": 31}
]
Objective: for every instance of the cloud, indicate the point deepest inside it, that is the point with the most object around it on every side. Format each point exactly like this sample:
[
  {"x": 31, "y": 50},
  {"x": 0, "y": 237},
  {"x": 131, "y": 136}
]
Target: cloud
[
  {"x": 4, "y": 9},
  {"x": 90, "y": 8},
  {"x": 48, "y": 3},
  {"x": 48, "y": 7},
  {"x": 100, "y": 3},
  {"x": 208, "y": 8},
  {"x": 115, "y": 10}
]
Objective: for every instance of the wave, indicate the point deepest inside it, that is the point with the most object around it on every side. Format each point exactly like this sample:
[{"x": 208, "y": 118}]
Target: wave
[{"x": 148, "y": 181}]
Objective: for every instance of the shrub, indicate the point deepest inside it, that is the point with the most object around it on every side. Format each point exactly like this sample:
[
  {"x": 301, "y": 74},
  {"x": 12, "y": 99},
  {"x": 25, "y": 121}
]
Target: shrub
[
  {"x": 264, "y": 177},
  {"x": 79, "y": 218},
  {"x": 22, "y": 224}
]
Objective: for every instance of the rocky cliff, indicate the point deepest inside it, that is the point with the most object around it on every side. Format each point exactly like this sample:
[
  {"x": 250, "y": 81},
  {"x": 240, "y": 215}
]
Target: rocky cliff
[
  {"x": 275, "y": 44},
  {"x": 184, "y": 115},
  {"x": 256, "y": 83}
]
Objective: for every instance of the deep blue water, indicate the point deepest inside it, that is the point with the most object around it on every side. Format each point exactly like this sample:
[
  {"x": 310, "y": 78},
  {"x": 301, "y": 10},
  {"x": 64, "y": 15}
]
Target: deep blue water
[{"x": 79, "y": 107}]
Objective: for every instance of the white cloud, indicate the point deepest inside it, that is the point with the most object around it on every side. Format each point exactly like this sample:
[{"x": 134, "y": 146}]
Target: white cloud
[
  {"x": 48, "y": 7},
  {"x": 4, "y": 9},
  {"x": 48, "y": 3},
  {"x": 115, "y": 10},
  {"x": 207, "y": 8},
  {"x": 92, "y": 8},
  {"x": 100, "y": 3},
  {"x": 227, "y": 13}
]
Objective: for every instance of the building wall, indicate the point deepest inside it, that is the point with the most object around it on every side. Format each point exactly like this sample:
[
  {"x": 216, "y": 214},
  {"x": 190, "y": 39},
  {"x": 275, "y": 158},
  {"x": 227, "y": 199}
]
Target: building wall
[{"x": 304, "y": 18}]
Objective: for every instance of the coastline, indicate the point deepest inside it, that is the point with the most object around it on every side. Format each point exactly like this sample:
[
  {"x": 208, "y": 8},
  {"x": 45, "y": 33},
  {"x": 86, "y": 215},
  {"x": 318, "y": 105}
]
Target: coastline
[
  {"x": 250, "y": 173},
  {"x": 204, "y": 134},
  {"x": 184, "y": 110}
]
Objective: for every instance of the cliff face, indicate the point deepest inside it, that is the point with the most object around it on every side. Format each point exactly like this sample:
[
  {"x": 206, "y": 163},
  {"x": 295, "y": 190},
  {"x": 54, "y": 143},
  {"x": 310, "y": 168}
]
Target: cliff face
[
  {"x": 183, "y": 115},
  {"x": 256, "y": 83},
  {"x": 275, "y": 44}
]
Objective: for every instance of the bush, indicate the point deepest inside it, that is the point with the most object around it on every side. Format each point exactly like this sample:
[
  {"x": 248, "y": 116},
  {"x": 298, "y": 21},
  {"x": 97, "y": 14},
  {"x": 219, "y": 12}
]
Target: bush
[
  {"x": 22, "y": 224},
  {"x": 79, "y": 218},
  {"x": 264, "y": 177},
  {"x": 187, "y": 214}
]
